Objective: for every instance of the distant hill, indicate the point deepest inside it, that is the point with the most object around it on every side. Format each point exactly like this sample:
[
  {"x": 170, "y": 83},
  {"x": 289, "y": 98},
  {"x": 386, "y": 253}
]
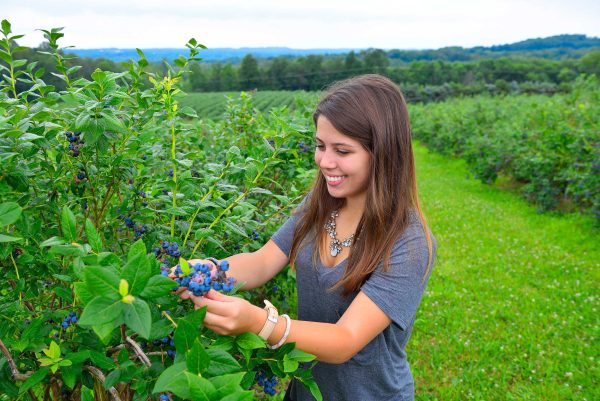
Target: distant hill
[{"x": 553, "y": 47}]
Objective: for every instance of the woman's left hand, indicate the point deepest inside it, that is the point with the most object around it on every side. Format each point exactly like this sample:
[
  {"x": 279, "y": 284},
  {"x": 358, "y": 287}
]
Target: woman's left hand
[{"x": 227, "y": 315}]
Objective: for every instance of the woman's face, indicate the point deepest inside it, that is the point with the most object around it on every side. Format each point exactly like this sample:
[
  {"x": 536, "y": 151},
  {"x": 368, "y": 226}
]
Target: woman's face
[{"x": 343, "y": 161}]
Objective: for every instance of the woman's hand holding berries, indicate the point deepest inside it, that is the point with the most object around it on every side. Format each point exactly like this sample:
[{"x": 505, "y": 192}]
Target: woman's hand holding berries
[{"x": 226, "y": 315}]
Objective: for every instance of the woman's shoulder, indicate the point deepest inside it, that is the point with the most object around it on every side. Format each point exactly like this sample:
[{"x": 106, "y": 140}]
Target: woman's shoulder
[{"x": 414, "y": 234}]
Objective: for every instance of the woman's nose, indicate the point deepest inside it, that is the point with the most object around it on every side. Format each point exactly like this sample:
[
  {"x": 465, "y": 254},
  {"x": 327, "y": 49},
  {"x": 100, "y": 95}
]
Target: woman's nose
[{"x": 326, "y": 160}]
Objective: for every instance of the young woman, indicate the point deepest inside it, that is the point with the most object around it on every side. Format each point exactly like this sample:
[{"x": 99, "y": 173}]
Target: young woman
[{"x": 361, "y": 249}]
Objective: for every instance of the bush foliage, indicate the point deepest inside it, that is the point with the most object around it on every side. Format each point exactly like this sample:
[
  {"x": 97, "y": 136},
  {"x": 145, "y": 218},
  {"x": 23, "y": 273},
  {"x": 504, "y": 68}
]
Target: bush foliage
[
  {"x": 95, "y": 179},
  {"x": 548, "y": 145}
]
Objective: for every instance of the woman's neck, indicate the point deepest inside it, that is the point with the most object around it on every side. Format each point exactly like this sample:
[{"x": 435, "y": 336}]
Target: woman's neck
[{"x": 354, "y": 207}]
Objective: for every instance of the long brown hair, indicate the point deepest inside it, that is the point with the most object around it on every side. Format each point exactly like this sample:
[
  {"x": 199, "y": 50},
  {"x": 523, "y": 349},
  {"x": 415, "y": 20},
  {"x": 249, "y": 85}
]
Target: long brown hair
[{"x": 370, "y": 109}]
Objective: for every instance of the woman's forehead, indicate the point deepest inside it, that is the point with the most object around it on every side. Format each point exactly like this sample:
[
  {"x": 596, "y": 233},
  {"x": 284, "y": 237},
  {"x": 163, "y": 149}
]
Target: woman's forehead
[{"x": 327, "y": 133}]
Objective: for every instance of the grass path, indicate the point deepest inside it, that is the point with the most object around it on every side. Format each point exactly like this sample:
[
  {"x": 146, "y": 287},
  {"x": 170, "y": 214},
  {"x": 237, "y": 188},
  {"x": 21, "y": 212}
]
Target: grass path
[{"x": 511, "y": 310}]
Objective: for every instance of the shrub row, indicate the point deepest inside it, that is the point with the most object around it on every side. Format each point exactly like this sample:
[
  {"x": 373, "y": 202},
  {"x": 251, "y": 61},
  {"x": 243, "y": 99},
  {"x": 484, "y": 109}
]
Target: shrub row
[{"x": 550, "y": 145}]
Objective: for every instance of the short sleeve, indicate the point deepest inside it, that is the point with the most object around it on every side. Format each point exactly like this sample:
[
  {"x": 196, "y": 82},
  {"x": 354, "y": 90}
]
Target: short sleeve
[
  {"x": 284, "y": 236},
  {"x": 398, "y": 290}
]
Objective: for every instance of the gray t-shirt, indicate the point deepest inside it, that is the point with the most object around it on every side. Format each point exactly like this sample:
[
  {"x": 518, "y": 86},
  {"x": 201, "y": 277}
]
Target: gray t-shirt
[{"x": 380, "y": 371}]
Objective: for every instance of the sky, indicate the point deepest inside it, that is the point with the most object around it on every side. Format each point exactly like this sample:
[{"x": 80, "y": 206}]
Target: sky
[{"x": 305, "y": 24}]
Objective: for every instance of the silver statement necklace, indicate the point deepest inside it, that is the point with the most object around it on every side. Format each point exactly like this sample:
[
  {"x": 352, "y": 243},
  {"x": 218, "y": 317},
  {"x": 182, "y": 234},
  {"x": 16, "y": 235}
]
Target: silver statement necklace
[{"x": 335, "y": 246}]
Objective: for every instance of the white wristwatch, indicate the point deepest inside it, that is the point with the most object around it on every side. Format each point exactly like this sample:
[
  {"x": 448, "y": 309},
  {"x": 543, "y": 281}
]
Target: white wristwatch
[{"x": 271, "y": 322}]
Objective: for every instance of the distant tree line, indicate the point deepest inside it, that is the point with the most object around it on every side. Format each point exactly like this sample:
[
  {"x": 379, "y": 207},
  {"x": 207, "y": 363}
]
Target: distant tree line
[
  {"x": 425, "y": 80},
  {"x": 314, "y": 72}
]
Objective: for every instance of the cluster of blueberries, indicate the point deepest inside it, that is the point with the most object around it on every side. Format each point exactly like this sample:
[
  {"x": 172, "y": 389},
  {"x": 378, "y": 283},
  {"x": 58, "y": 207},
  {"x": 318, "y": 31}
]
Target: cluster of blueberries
[
  {"x": 267, "y": 384},
  {"x": 168, "y": 249},
  {"x": 164, "y": 397},
  {"x": 163, "y": 342},
  {"x": 201, "y": 280},
  {"x": 138, "y": 229},
  {"x": 255, "y": 235},
  {"x": 304, "y": 147},
  {"x": 75, "y": 142},
  {"x": 70, "y": 319},
  {"x": 80, "y": 177}
]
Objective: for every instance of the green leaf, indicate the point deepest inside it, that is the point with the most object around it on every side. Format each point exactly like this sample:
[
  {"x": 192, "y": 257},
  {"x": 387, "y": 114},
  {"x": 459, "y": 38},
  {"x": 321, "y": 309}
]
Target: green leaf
[
  {"x": 87, "y": 394},
  {"x": 188, "y": 111},
  {"x": 200, "y": 388},
  {"x": 67, "y": 250},
  {"x": 102, "y": 281},
  {"x": 185, "y": 266},
  {"x": 105, "y": 331},
  {"x": 82, "y": 292},
  {"x": 101, "y": 311},
  {"x": 112, "y": 123},
  {"x": 300, "y": 356},
  {"x": 242, "y": 395},
  {"x": 137, "y": 249},
  {"x": 53, "y": 351},
  {"x": 197, "y": 317},
  {"x": 138, "y": 318},
  {"x": 289, "y": 365},
  {"x": 9, "y": 213},
  {"x": 226, "y": 384},
  {"x": 8, "y": 238},
  {"x": 53, "y": 241},
  {"x": 78, "y": 357},
  {"x": 157, "y": 287},
  {"x": 197, "y": 359},
  {"x": 160, "y": 329},
  {"x": 69, "y": 375},
  {"x": 221, "y": 363},
  {"x": 102, "y": 361},
  {"x": 250, "y": 341},
  {"x": 6, "y": 27},
  {"x": 67, "y": 223},
  {"x": 185, "y": 335},
  {"x": 34, "y": 379},
  {"x": 137, "y": 272},
  {"x": 313, "y": 387},
  {"x": 112, "y": 378},
  {"x": 93, "y": 236},
  {"x": 173, "y": 379}
]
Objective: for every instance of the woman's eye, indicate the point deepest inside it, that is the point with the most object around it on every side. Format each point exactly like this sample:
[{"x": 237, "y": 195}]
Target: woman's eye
[
  {"x": 320, "y": 146},
  {"x": 343, "y": 152}
]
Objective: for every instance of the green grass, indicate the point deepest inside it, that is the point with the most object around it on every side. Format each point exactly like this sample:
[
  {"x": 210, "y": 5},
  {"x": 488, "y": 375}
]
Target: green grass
[
  {"x": 511, "y": 309},
  {"x": 211, "y": 105}
]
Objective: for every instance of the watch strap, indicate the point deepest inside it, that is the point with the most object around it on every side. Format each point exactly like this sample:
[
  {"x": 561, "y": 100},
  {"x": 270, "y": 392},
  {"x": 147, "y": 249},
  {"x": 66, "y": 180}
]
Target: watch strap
[{"x": 271, "y": 322}]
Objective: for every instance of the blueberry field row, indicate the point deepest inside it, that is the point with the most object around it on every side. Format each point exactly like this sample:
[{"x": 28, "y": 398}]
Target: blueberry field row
[
  {"x": 548, "y": 148},
  {"x": 212, "y": 105}
]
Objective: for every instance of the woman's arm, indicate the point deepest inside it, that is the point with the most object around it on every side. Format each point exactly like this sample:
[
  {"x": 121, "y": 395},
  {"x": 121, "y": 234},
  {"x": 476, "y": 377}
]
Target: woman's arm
[
  {"x": 255, "y": 268},
  {"x": 330, "y": 343}
]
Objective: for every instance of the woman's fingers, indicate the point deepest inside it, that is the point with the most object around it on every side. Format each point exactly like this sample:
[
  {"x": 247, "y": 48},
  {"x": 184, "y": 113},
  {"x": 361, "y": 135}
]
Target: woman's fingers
[
  {"x": 217, "y": 323},
  {"x": 218, "y": 307}
]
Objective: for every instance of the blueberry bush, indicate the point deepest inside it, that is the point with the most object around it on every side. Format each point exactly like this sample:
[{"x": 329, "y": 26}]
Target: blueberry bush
[
  {"x": 548, "y": 145},
  {"x": 104, "y": 188}
]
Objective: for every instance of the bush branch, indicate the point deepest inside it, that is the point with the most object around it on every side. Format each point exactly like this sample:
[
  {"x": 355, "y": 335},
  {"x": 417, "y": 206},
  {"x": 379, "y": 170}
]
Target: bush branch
[
  {"x": 97, "y": 373},
  {"x": 138, "y": 351}
]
